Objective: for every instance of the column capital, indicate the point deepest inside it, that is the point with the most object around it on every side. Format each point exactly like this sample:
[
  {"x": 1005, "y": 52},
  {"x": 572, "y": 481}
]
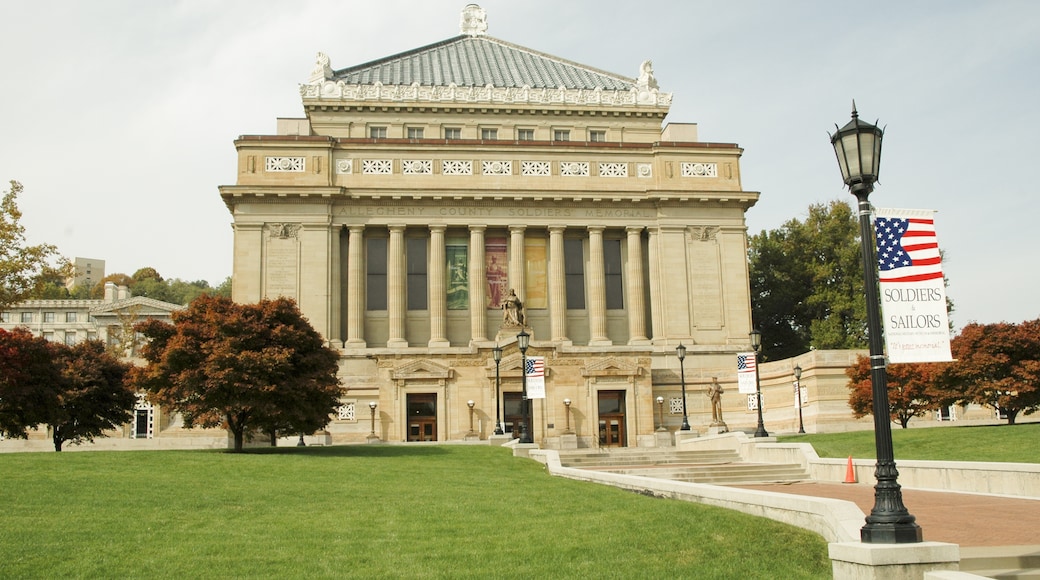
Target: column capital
[
  {"x": 596, "y": 228},
  {"x": 438, "y": 227},
  {"x": 394, "y": 228},
  {"x": 557, "y": 229},
  {"x": 630, "y": 230},
  {"x": 517, "y": 229},
  {"x": 477, "y": 228},
  {"x": 356, "y": 228}
]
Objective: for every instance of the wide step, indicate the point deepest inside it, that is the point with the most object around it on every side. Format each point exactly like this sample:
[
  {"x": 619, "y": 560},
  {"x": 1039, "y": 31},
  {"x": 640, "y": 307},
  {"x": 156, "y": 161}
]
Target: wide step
[{"x": 718, "y": 467}]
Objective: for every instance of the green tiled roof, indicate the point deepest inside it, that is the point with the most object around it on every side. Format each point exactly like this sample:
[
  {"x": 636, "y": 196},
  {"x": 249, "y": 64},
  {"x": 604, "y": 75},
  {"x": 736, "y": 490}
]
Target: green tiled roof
[{"x": 478, "y": 61}]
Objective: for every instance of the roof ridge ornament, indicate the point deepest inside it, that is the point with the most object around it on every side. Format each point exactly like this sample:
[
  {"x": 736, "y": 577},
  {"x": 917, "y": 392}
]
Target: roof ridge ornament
[
  {"x": 322, "y": 70},
  {"x": 474, "y": 21}
]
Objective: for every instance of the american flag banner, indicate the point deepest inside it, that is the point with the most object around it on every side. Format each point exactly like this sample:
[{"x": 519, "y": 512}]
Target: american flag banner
[
  {"x": 535, "y": 371},
  {"x": 913, "y": 291},
  {"x": 907, "y": 248},
  {"x": 746, "y": 365}
]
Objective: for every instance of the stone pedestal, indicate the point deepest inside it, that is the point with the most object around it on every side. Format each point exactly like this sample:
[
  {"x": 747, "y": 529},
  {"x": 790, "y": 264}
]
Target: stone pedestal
[
  {"x": 471, "y": 436},
  {"x": 859, "y": 561},
  {"x": 373, "y": 439},
  {"x": 681, "y": 436},
  {"x": 524, "y": 449},
  {"x": 718, "y": 428},
  {"x": 664, "y": 438},
  {"x": 500, "y": 440},
  {"x": 569, "y": 441}
]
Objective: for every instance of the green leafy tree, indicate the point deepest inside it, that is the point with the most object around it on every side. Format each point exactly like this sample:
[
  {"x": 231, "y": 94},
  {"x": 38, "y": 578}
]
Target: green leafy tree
[
  {"x": 223, "y": 289},
  {"x": 913, "y": 390},
  {"x": 807, "y": 283},
  {"x": 93, "y": 397},
  {"x": 147, "y": 273},
  {"x": 22, "y": 267},
  {"x": 29, "y": 382},
  {"x": 245, "y": 367},
  {"x": 998, "y": 366}
]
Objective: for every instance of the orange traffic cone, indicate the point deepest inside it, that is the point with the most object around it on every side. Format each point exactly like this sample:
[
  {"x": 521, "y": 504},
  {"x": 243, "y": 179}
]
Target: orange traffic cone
[{"x": 850, "y": 472}]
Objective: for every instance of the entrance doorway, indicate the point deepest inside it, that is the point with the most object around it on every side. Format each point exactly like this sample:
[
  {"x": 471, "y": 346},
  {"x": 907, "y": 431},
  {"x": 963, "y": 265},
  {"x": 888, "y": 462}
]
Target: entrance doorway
[
  {"x": 422, "y": 417},
  {"x": 512, "y": 413},
  {"x": 612, "y": 419}
]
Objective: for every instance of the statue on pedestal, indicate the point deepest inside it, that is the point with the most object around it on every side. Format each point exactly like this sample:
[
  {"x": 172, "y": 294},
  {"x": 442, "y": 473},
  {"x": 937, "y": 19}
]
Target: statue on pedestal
[
  {"x": 512, "y": 310},
  {"x": 715, "y": 394}
]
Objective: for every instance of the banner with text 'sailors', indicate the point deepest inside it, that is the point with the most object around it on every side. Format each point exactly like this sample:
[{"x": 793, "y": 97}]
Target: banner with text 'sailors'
[{"x": 913, "y": 292}]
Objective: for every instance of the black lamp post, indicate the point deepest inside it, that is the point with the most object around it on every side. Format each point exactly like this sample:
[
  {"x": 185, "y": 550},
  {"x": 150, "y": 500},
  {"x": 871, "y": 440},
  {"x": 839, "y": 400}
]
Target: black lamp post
[
  {"x": 523, "y": 340},
  {"x": 798, "y": 395},
  {"x": 858, "y": 147},
  {"x": 756, "y": 343},
  {"x": 496, "y": 353},
  {"x": 372, "y": 406},
  {"x": 680, "y": 351}
]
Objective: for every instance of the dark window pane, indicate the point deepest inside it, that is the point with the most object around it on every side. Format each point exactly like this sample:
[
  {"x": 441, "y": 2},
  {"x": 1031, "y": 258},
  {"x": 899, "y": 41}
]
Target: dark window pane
[
  {"x": 612, "y": 270},
  {"x": 417, "y": 279},
  {"x": 574, "y": 273},
  {"x": 376, "y": 283}
]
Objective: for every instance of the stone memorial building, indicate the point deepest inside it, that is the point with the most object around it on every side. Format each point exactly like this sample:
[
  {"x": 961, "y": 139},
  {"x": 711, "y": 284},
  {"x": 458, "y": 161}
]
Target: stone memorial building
[{"x": 422, "y": 188}]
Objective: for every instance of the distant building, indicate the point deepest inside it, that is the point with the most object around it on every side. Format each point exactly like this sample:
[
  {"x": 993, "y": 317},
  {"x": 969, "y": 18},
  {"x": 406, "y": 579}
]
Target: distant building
[
  {"x": 87, "y": 272},
  {"x": 70, "y": 321}
]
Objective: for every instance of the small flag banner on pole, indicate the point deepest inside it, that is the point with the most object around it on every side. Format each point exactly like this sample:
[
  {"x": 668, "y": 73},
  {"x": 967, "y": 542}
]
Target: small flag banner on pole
[
  {"x": 535, "y": 371},
  {"x": 746, "y": 372},
  {"x": 913, "y": 292}
]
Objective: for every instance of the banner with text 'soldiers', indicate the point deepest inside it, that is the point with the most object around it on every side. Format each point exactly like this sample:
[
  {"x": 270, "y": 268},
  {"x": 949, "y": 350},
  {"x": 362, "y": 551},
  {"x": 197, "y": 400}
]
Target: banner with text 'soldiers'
[{"x": 913, "y": 291}]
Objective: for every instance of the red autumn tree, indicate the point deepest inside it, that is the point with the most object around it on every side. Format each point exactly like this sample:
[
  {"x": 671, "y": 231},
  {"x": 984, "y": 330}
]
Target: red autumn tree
[
  {"x": 29, "y": 382},
  {"x": 912, "y": 390},
  {"x": 245, "y": 367},
  {"x": 998, "y": 365},
  {"x": 93, "y": 397}
]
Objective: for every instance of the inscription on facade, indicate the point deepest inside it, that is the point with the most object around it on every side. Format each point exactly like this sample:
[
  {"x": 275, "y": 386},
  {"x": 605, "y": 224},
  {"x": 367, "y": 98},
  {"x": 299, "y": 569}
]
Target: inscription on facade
[
  {"x": 489, "y": 212},
  {"x": 282, "y": 267}
]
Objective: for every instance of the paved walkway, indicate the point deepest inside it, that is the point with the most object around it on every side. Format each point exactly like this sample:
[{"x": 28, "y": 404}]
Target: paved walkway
[{"x": 970, "y": 520}]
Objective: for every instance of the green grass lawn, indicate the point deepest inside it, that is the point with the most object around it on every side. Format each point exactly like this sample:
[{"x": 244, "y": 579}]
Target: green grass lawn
[
  {"x": 1007, "y": 443},
  {"x": 365, "y": 512}
]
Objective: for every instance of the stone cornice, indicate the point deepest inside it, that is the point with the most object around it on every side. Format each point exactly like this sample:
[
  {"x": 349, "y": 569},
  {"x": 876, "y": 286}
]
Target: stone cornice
[{"x": 334, "y": 93}]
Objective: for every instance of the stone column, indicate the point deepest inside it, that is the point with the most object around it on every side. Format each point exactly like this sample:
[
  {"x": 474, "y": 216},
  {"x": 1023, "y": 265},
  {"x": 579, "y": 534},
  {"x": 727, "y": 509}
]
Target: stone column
[
  {"x": 636, "y": 303},
  {"x": 597, "y": 285},
  {"x": 438, "y": 285},
  {"x": 477, "y": 285},
  {"x": 336, "y": 288},
  {"x": 517, "y": 264},
  {"x": 355, "y": 288},
  {"x": 395, "y": 299},
  {"x": 656, "y": 312},
  {"x": 557, "y": 286}
]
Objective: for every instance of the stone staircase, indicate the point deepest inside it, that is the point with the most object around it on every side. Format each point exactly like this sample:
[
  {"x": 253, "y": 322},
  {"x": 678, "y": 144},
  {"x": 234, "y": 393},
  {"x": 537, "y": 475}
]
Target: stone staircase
[
  {"x": 1002, "y": 563},
  {"x": 721, "y": 467}
]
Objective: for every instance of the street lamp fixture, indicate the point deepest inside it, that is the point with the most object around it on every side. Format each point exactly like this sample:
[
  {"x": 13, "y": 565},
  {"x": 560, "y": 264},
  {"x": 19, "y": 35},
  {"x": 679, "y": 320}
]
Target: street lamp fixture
[
  {"x": 680, "y": 351},
  {"x": 858, "y": 148},
  {"x": 756, "y": 344},
  {"x": 372, "y": 407},
  {"x": 660, "y": 413},
  {"x": 567, "y": 404},
  {"x": 496, "y": 353},
  {"x": 523, "y": 341},
  {"x": 798, "y": 396},
  {"x": 470, "y": 404}
]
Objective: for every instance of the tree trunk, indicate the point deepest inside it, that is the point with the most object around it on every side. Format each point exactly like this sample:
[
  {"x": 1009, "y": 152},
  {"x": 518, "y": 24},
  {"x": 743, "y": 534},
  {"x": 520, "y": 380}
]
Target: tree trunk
[
  {"x": 1011, "y": 415},
  {"x": 57, "y": 441}
]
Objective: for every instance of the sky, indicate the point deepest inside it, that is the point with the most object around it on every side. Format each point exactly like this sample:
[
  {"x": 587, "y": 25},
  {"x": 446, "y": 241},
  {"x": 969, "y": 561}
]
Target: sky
[{"x": 119, "y": 116}]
